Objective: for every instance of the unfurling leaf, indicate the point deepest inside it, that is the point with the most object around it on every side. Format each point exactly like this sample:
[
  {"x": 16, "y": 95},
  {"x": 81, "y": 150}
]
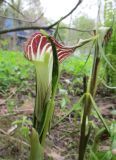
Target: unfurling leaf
[{"x": 36, "y": 151}]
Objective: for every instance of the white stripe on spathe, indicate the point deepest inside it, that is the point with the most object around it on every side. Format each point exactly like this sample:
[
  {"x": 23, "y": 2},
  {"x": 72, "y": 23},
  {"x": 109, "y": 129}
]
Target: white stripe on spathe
[{"x": 38, "y": 55}]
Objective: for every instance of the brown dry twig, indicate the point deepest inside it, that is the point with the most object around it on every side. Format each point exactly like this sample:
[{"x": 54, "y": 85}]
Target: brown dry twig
[
  {"x": 13, "y": 139},
  {"x": 42, "y": 27},
  {"x": 22, "y": 20},
  {"x": 14, "y": 8},
  {"x": 17, "y": 112}
]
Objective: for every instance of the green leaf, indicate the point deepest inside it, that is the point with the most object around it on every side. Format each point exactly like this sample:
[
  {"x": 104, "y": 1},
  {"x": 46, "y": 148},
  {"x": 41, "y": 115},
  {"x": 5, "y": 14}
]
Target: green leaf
[
  {"x": 57, "y": 28},
  {"x": 43, "y": 89},
  {"x": 110, "y": 87},
  {"x": 107, "y": 156},
  {"x": 63, "y": 103},
  {"x": 50, "y": 105},
  {"x": 105, "y": 58},
  {"x": 113, "y": 137},
  {"x": 76, "y": 107},
  {"x": 85, "y": 41},
  {"x": 55, "y": 71},
  {"x": 98, "y": 112},
  {"x": 36, "y": 150},
  {"x": 93, "y": 156}
]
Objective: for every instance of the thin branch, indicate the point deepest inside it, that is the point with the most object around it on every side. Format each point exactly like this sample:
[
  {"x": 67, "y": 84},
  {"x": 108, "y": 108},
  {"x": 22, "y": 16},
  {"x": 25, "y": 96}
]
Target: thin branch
[
  {"x": 24, "y": 28},
  {"x": 13, "y": 139},
  {"x": 17, "y": 112},
  {"x": 60, "y": 38},
  {"x": 42, "y": 14},
  {"x": 42, "y": 27},
  {"x": 80, "y": 30},
  {"x": 17, "y": 19},
  {"x": 1, "y": 1},
  {"x": 14, "y": 8},
  {"x": 68, "y": 14}
]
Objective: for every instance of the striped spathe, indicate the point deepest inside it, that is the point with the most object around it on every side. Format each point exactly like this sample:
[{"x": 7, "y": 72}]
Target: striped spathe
[{"x": 38, "y": 44}]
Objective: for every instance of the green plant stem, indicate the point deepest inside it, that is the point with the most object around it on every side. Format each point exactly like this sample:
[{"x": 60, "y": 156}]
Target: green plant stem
[
  {"x": 91, "y": 89},
  {"x": 36, "y": 150},
  {"x": 48, "y": 120},
  {"x": 83, "y": 139}
]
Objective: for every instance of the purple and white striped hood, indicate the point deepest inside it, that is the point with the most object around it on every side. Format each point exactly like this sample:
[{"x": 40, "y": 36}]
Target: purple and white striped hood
[{"x": 38, "y": 44}]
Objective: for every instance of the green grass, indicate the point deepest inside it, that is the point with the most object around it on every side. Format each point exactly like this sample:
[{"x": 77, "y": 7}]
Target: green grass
[
  {"x": 14, "y": 69},
  {"x": 76, "y": 65}
]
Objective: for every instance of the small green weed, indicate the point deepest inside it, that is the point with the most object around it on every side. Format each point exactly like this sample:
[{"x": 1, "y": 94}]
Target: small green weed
[
  {"x": 76, "y": 65},
  {"x": 14, "y": 69}
]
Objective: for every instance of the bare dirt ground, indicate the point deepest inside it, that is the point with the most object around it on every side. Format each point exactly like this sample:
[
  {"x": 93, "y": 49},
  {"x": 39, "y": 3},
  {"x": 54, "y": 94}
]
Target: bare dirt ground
[{"x": 63, "y": 139}]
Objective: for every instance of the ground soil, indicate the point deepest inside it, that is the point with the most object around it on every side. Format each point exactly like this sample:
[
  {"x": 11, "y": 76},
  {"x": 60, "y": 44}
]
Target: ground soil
[{"x": 63, "y": 139}]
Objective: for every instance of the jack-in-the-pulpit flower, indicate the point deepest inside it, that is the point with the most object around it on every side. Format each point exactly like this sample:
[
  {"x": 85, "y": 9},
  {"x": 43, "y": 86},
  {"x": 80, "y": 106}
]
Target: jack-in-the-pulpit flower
[
  {"x": 38, "y": 45},
  {"x": 40, "y": 50}
]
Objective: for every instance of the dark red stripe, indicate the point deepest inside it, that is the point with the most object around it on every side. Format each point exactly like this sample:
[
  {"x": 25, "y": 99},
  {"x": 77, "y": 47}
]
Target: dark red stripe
[{"x": 34, "y": 43}]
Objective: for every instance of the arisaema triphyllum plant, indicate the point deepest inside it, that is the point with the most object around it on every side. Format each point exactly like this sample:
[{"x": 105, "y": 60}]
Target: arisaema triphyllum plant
[{"x": 46, "y": 53}]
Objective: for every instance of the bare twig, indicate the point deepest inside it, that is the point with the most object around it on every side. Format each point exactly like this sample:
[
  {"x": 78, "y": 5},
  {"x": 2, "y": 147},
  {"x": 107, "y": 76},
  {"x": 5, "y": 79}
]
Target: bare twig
[
  {"x": 68, "y": 14},
  {"x": 24, "y": 28},
  {"x": 1, "y": 1},
  {"x": 42, "y": 27},
  {"x": 22, "y": 20},
  {"x": 3, "y": 102},
  {"x": 14, "y": 8},
  {"x": 78, "y": 30},
  {"x": 13, "y": 139},
  {"x": 60, "y": 38},
  {"x": 11, "y": 95},
  {"x": 17, "y": 112},
  {"x": 38, "y": 18},
  {"x": 3, "y": 132}
]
